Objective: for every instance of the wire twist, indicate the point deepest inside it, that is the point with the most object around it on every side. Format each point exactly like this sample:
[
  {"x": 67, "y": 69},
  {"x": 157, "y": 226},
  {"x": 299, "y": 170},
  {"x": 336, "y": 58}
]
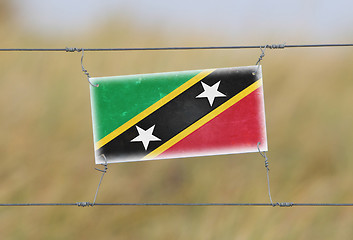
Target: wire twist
[
  {"x": 68, "y": 49},
  {"x": 84, "y": 204},
  {"x": 83, "y": 69},
  {"x": 103, "y": 172},
  {"x": 263, "y": 154},
  {"x": 276, "y": 46},
  {"x": 262, "y": 55}
]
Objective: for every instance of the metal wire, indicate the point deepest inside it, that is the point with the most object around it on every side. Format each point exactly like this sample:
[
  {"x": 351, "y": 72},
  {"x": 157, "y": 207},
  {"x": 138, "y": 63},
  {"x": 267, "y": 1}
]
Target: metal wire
[
  {"x": 262, "y": 55},
  {"x": 35, "y": 204},
  {"x": 103, "y": 172},
  {"x": 263, "y": 154},
  {"x": 270, "y": 46},
  {"x": 82, "y": 67},
  {"x": 88, "y": 204}
]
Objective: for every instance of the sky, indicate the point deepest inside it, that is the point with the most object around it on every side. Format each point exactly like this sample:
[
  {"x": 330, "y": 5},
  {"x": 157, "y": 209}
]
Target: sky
[{"x": 318, "y": 20}]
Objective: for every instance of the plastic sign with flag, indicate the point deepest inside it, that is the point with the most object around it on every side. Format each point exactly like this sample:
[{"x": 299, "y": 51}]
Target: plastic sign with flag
[{"x": 178, "y": 114}]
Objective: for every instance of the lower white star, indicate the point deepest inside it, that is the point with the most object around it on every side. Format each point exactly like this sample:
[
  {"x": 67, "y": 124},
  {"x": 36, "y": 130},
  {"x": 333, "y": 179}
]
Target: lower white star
[
  {"x": 145, "y": 136},
  {"x": 210, "y": 92}
]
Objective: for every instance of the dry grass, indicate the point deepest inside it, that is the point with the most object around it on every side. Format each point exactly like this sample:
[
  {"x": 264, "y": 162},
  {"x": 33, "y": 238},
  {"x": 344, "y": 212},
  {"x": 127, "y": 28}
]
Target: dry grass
[{"x": 47, "y": 147}]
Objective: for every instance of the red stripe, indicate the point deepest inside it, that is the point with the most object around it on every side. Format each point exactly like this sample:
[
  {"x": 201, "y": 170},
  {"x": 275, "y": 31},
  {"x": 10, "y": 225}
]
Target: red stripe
[{"x": 237, "y": 129}]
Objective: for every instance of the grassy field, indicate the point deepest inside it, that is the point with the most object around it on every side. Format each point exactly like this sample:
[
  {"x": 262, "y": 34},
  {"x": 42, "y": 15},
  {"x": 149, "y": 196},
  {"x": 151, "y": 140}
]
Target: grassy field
[{"x": 46, "y": 145}]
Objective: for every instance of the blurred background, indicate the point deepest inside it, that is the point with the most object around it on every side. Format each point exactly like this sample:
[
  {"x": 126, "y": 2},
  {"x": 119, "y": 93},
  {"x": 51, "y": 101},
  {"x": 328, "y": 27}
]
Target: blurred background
[{"x": 46, "y": 137}]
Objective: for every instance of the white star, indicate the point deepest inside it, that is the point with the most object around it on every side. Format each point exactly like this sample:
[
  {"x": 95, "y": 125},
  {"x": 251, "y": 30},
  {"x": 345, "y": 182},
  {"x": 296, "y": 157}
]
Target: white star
[
  {"x": 145, "y": 136},
  {"x": 210, "y": 92}
]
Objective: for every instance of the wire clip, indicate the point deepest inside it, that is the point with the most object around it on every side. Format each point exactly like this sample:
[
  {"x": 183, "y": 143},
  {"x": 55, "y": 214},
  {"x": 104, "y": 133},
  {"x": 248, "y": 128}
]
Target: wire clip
[
  {"x": 262, "y": 55},
  {"x": 263, "y": 154},
  {"x": 283, "y": 204},
  {"x": 68, "y": 49},
  {"x": 84, "y": 204},
  {"x": 85, "y": 71},
  {"x": 103, "y": 172},
  {"x": 276, "y": 46}
]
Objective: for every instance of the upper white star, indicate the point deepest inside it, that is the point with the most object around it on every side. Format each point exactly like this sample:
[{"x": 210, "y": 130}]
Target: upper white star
[
  {"x": 210, "y": 92},
  {"x": 145, "y": 136}
]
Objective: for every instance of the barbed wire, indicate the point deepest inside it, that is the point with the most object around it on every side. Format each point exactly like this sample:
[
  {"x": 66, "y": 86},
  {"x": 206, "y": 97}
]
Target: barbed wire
[{"x": 268, "y": 46}]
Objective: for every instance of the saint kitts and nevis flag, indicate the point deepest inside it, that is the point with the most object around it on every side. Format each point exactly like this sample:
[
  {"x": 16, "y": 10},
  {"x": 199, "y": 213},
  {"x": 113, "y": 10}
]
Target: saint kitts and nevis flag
[{"x": 178, "y": 114}]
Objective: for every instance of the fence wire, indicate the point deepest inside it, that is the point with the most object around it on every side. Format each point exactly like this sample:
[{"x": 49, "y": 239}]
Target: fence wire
[
  {"x": 267, "y": 46},
  {"x": 88, "y": 204}
]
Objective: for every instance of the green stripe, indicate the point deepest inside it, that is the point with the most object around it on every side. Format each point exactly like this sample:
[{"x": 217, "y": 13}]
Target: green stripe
[{"x": 118, "y": 99}]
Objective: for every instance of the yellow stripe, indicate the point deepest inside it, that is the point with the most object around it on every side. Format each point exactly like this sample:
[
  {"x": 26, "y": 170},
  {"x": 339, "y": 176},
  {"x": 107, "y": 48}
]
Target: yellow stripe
[
  {"x": 152, "y": 108},
  {"x": 204, "y": 120}
]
